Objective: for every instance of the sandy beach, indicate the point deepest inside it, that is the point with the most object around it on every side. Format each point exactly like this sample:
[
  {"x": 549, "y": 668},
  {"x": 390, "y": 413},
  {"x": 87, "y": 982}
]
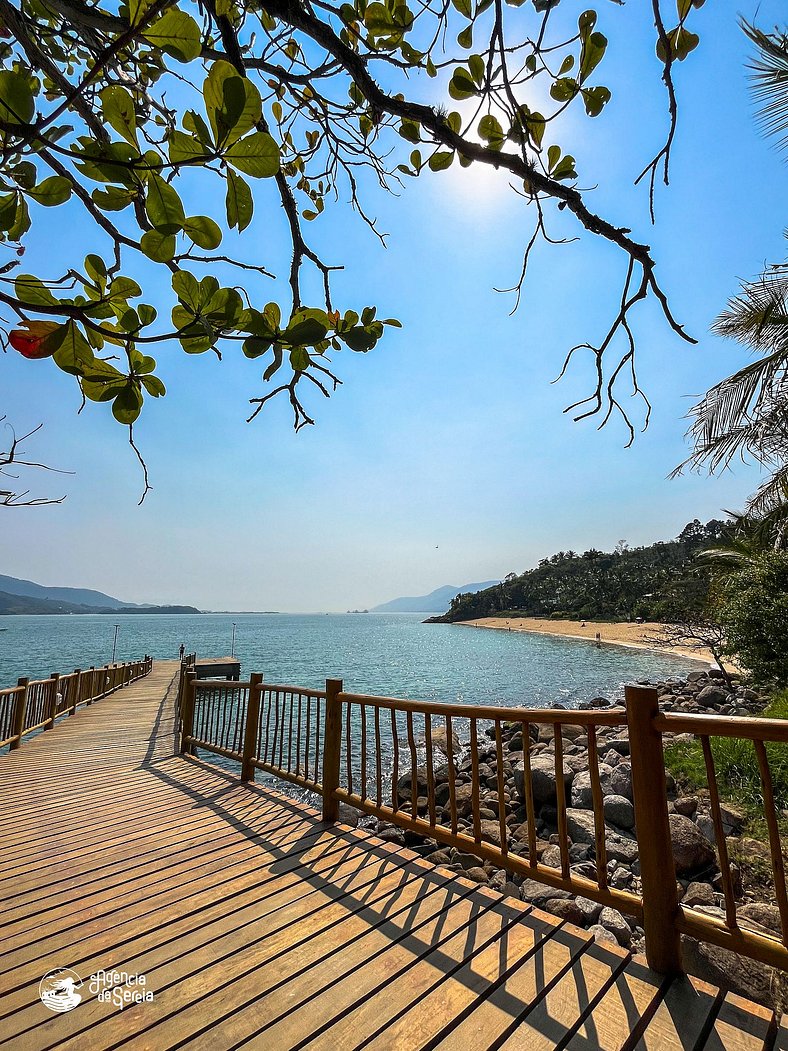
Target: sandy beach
[{"x": 625, "y": 634}]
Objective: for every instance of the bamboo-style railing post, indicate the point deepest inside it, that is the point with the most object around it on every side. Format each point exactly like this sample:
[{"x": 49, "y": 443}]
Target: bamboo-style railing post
[
  {"x": 657, "y": 868},
  {"x": 332, "y": 744},
  {"x": 187, "y": 712},
  {"x": 250, "y": 730},
  {"x": 55, "y": 677},
  {"x": 92, "y": 681},
  {"x": 20, "y": 707},
  {"x": 77, "y": 685}
]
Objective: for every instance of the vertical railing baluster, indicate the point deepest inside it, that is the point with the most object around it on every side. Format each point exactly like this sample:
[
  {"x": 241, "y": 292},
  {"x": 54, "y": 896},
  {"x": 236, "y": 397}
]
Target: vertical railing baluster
[
  {"x": 452, "y": 780},
  {"x": 348, "y": 754},
  {"x": 477, "y": 822},
  {"x": 719, "y": 835},
  {"x": 528, "y": 788},
  {"x": 414, "y": 772},
  {"x": 394, "y": 762},
  {"x": 775, "y": 844},
  {"x": 501, "y": 787},
  {"x": 363, "y": 710},
  {"x": 331, "y": 750},
  {"x": 598, "y": 803},
  {"x": 560, "y": 793},
  {"x": 430, "y": 771},
  {"x": 378, "y": 760}
]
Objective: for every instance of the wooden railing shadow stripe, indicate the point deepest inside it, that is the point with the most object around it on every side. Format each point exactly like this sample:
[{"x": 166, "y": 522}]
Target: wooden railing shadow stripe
[{"x": 281, "y": 736}]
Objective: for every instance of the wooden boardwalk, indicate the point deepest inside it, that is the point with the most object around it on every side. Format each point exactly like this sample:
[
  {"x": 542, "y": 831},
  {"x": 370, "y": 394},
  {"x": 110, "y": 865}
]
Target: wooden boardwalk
[{"x": 255, "y": 925}]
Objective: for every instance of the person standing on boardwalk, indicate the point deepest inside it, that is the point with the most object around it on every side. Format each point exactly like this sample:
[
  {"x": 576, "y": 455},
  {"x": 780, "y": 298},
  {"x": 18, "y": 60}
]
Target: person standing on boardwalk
[{"x": 182, "y": 651}]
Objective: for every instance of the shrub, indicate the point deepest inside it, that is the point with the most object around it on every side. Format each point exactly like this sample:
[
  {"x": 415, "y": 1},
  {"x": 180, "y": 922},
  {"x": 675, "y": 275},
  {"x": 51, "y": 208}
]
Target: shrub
[{"x": 754, "y": 613}]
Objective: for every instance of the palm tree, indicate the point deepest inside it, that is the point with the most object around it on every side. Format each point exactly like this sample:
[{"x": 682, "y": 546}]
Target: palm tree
[{"x": 747, "y": 413}]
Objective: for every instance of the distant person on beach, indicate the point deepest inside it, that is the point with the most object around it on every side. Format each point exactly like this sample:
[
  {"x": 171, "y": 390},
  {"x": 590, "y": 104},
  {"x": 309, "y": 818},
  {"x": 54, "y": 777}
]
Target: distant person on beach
[{"x": 182, "y": 651}]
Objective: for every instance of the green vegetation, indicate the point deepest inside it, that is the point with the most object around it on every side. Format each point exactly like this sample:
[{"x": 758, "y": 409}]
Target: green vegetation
[
  {"x": 736, "y": 766},
  {"x": 128, "y": 114},
  {"x": 663, "y": 581},
  {"x": 754, "y": 612}
]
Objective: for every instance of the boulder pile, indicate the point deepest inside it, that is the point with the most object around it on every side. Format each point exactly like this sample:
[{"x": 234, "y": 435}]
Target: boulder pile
[{"x": 694, "y": 855}]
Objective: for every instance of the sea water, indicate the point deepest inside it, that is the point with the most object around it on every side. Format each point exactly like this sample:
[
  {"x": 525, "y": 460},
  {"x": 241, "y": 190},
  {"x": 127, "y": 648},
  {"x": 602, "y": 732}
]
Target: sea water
[{"x": 392, "y": 654}]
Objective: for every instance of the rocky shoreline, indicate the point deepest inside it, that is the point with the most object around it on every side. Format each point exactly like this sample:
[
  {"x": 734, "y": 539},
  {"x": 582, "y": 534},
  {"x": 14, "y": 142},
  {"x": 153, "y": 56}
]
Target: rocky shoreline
[{"x": 697, "y": 872}]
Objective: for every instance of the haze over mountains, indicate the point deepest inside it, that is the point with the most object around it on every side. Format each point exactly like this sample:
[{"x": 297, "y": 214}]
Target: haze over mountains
[
  {"x": 437, "y": 601},
  {"x": 26, "y": 597}
]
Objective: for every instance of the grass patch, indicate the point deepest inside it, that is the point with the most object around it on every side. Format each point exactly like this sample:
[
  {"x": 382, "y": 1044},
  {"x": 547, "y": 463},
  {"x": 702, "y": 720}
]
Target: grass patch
[{"x": 738, "y": 778}]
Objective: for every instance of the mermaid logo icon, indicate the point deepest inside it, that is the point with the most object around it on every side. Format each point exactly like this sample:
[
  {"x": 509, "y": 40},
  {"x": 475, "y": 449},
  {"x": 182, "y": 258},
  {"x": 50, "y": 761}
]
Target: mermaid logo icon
[{"x": 58, "y": 989}]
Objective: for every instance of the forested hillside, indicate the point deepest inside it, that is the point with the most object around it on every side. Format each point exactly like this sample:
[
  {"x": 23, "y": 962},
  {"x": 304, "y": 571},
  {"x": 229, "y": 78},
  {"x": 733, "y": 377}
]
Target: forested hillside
[{"x": 660, "y": 582}]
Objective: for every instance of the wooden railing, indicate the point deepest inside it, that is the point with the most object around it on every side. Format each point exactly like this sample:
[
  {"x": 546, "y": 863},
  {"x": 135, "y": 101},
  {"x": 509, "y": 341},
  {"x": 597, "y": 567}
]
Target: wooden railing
[
  {"x": 36, "y": 704},
  {"x": 355, "y": 749}
]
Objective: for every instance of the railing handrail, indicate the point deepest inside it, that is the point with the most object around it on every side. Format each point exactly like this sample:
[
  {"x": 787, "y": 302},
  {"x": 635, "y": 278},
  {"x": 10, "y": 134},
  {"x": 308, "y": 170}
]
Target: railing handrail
[
  {"x": 272, "y": 735},
  {"x": 36, "y": 704}
]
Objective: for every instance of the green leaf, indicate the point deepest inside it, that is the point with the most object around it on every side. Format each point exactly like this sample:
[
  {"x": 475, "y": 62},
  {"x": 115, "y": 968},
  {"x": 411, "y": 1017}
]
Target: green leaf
[
  {"x": 163, "y": 206},
  {"x": 299, "y": 359},
  {"x": 440, "y": 161},
  {"x": 465, "y": 7},
  {"x": 680, "y": 41},
  {"x": 128, "y": 404},
  {"x": 595, "y": 100},
  {"x": 74, "y": 354},
  {"x": 185, "y": 149},
  {"x": 255, "y": 346},
  {"x": 8, "y": 206},
  {"x": 564, "y": 89},
  {"x": 52, "y": 191},
  {"x": 176, "y": 34},
  {"x": 476, "y": 66},
  {"x": 203, "y": 231},
  {"x": 158, "y": 245},
  {"x": 17, "y": 105},
  {"x": 118, "y": 108},
  {"x": 238, "y": 202},
  {"x": 256, "y": 155},
  {"x": 565, "y": 169},
  {"x": 113, "y": 199},
  {"x": 491, "y": 132},
  {"x": 21, "y": 222},
  {"x": 96, "y": 269},
  {"x": 465, "y": 38},
  {"x": 232, "y": 102},
  {"x": 154, "y": 386},
  {"x": 33, "y": 292},
  {"x": 593, "y": 51},
  {"x": 409, "y": 130},
  {"x": 461, "y": 86},
  {"x": 305, "y": 328}
]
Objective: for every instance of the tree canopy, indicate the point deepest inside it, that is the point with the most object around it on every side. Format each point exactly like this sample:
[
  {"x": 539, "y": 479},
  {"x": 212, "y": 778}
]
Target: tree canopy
[{"x": 121, "y": 109}]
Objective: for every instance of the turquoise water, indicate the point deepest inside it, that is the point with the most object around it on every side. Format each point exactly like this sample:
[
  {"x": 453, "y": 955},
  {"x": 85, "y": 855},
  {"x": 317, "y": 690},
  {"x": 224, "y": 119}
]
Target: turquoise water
[{"x": 393, "y": 654}]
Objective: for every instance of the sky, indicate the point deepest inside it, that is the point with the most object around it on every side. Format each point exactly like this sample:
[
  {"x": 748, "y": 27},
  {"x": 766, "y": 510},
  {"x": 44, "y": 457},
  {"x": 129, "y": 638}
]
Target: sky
[{"x": 445, "y": 457}]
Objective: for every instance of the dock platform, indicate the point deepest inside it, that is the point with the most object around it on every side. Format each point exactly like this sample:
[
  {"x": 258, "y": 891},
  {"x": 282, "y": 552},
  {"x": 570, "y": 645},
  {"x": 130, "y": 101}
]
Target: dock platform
[{"x": 252, "y": 924}]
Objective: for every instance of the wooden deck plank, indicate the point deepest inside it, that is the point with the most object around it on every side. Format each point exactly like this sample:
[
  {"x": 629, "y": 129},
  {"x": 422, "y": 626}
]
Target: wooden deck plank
[
  {"x": 554, "y": 1010},
  {"x": 254, "y": 924},
  {"x": 739, "y": 1026},
  {"x": 681, "y": 1017}
]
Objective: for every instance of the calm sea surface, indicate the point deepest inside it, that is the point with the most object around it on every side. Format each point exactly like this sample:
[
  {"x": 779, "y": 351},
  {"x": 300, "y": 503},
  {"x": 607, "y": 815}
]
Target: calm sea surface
[{"x": 393, "y": 654}]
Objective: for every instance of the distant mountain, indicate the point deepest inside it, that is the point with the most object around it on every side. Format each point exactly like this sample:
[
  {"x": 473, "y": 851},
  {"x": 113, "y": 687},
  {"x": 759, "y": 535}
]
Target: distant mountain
[
  {"x": 25, "y": 597},
  {"x": 71, "y": 596},
  {"x": 437, "y": 601}
]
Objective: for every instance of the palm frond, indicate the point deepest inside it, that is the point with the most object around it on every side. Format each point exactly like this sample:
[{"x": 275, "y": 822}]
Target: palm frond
[{"x": 769, "y": 71}]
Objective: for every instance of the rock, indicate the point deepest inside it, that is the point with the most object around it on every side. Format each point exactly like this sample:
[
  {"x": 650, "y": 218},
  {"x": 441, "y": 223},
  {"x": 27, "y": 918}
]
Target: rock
[
  {"x": 538, "y": 894},
  {"x": 613, "y": 921},
  {"x": 691, "y": 849},
  {"x": 582, "y": 795},
  {"x": 392, "y": 835},
  {"x": 552, "y": 857},
  {"x": 699, "y": 894},
  {"x": 477, "y": 874},
  {"x": 499, "y": 879},
  {"x": 464, "y": 799},
  {"x": 439, "y": 857},
  {"x": 589, "y": 909},
  {"x": 764, "y": 915},
  {"x": 348, "y": 815},
  {"x": 733, "y": 819},
  {"x": 621, "y": 780},
  {"x": 721, "y": 967},
  {"x": 580, "y": 825},
  {"x": 711, "y": 695},
  {"x": 491, "y": 832},
  {"x": 686, "y": 805},
  {"x": 619, "y": 744},
  {"x": 602, "y": 935},
  {"x": 543, "y": 784},
  {"x": 564, "y": 909},
  {"x": 468, "y": 861},
  {"x": 621, "y": 849},
  {"x": 619, "y": 811}
]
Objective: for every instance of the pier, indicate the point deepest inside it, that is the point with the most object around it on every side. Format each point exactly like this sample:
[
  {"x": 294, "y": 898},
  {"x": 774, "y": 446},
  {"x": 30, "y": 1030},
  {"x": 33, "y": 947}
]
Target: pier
[{"x": 252, "y": 922}]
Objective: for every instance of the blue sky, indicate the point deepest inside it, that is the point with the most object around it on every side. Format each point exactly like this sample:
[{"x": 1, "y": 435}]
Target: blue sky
[{"x": 445, "y": 457}]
